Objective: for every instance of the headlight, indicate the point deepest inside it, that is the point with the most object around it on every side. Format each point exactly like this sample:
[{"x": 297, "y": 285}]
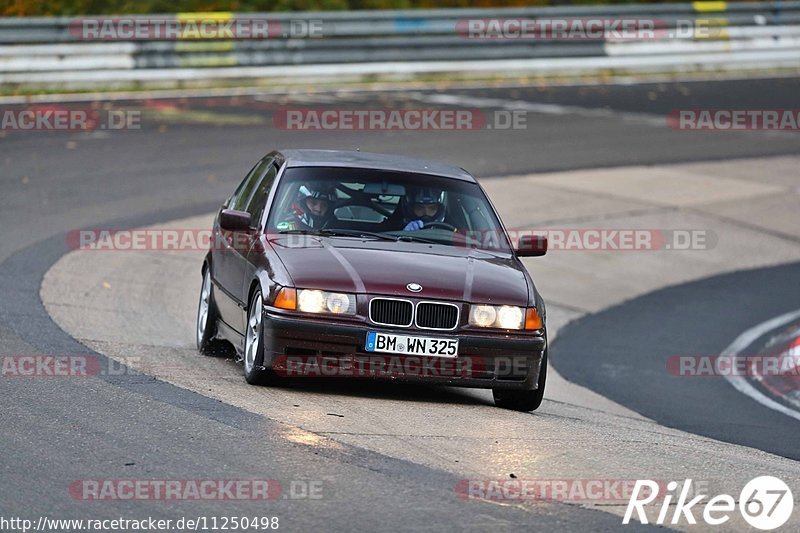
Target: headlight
[
  {"x": 311, "y": 301},
  {"x": 509, "y": 317},
  {"x": 338, "y": 303},
  {"x": 504, "y": 317},
  {"x": 315, "y": 301},
  {"x": 482, "y": 315}
]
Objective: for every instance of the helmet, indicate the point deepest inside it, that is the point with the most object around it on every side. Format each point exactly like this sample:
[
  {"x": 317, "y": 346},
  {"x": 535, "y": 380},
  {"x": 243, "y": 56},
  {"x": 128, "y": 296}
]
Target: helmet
[
  {"x": 318, "y": 191},
  {"x": 424, "y": 195}
]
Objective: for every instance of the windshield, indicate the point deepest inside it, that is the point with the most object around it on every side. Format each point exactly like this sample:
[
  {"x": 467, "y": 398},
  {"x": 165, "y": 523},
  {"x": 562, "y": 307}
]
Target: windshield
[{"x": 386, "y": 205}]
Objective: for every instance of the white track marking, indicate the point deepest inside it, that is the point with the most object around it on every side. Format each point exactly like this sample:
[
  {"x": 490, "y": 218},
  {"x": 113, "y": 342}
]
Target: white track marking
[
  {"x": 537, "y": 107},
  {"x": 746, "y": 339}
]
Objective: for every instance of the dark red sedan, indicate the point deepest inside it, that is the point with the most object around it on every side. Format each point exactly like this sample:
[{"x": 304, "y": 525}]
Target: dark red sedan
[{"x": 351, "y": 264}]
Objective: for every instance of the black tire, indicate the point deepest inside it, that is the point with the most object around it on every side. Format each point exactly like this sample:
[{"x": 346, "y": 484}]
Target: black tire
[
  {"x": 254, "y": 371},
  {"x": 206, "y": 329},
  {"x": 523, "y": 400}
]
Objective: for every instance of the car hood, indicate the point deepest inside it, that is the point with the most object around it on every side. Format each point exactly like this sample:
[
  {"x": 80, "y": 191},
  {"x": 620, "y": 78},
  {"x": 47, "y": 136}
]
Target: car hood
[{"x": 375, "y": 267}]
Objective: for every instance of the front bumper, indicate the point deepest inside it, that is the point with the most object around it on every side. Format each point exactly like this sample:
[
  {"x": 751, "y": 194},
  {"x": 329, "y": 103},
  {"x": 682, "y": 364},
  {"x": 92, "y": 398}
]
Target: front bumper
[{"x": 308, "y": 347}]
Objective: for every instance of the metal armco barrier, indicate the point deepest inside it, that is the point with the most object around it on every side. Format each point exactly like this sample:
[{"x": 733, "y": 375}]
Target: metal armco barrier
[{"x": 106, "y": 50}]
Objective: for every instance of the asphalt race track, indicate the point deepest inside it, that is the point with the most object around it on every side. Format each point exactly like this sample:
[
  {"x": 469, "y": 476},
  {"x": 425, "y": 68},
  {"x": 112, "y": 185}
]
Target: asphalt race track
[
  {"x": 627, "y": 347},
  {"x": 189, "y": 155}
]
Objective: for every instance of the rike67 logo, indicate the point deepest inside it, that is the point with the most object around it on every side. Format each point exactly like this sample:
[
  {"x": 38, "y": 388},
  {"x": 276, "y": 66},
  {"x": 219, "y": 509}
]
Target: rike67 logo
[{"x": 765, "y": 503}]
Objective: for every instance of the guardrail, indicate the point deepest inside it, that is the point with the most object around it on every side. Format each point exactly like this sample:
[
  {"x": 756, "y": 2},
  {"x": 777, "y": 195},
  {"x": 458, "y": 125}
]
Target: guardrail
[{"x": 110, "y": 50}]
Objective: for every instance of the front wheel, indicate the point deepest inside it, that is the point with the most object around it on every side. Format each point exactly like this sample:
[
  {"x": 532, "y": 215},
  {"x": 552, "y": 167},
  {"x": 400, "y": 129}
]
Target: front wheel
[
  {"x": 206, "y": 328},
  {"x": 523, "y": 400},
  {"x": 254, "y": 371}
]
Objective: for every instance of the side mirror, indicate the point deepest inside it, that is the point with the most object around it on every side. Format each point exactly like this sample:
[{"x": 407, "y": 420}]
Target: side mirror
[
  {"x": 531, "y": 246},
  {"x": 232, "y": 220}
]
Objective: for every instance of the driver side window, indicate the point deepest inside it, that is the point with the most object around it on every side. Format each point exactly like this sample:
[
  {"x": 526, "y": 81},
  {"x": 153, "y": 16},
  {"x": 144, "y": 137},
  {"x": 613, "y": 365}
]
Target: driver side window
[
  {"x": 258, "y": 201},
  {"x": 241, "y": 197}
]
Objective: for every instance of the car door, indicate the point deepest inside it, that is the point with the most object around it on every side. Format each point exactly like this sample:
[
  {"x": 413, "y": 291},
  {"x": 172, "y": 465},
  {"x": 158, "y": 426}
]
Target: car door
[
  {"x": 257, "y": 254},
  {"x": 229, "y": 253}
]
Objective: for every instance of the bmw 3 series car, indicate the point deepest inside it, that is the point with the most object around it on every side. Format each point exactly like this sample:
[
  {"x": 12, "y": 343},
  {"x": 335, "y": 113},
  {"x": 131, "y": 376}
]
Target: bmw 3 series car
[{"x": 351, "y": 264}]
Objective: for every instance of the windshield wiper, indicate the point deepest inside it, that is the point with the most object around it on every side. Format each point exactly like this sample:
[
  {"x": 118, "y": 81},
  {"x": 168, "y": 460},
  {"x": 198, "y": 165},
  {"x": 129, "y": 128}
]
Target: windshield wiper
[
  {"x": 340, "y": 233},
  {"x": 415, "y": 238},
  {"x": 300, "y": 232},
  {"x": 358, "y": 233}
]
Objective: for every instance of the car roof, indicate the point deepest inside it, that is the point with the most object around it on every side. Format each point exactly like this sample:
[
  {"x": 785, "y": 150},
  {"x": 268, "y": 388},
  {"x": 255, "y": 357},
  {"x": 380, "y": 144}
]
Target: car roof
[{"x": 354, "y": 159}]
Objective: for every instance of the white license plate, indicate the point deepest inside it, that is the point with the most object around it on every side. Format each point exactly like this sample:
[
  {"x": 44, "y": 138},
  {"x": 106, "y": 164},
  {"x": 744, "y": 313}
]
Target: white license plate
[{"x": 411, "y": 345}]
